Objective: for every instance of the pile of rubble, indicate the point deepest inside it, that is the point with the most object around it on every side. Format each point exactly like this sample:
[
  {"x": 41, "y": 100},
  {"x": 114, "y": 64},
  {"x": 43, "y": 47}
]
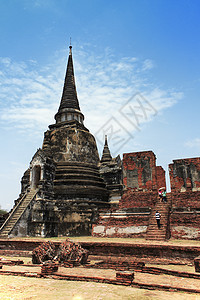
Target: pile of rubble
[
  {"x": 72, "y": 254},
  {"x": 46, "y": 251},
  {"x": 68, "y": 253}
]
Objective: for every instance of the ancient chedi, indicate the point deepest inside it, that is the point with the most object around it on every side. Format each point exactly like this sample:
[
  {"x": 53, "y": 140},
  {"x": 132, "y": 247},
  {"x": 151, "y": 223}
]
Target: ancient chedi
[
  {"x": 62, "y": 189},
  {"x": 67, "y": 190}
]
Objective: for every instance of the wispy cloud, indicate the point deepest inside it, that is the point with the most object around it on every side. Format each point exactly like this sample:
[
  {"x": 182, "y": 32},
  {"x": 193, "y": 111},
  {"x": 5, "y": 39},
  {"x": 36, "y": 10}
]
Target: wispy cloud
[
  {"x": 147, "y": 64},
  {"x": 194, "y": 143},
  {"x": 30, "y": 94}
]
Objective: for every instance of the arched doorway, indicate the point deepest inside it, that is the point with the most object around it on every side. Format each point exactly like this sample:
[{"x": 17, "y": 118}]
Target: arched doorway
[{"x": 36, "y": 176}]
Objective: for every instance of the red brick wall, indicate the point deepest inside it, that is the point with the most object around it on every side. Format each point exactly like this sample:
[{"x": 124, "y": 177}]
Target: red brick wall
[
  {"x": 131, "y": 199},
  {"x": 160, "y": 175},
  {"x": 185, "y": 225},
  {"x": 129, "y": 226},
  {"x": 185, "y": 174},
  {"x": 141, "y": 163},
  {"x": 188, "y": 199},
  {"x": 185, "y": 216},
  {"x": 146, "y": 178}
]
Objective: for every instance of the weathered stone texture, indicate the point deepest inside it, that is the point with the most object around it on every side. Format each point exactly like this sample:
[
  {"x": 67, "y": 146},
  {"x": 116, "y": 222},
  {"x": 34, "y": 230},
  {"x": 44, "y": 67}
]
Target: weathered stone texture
[
  {"x": 185, "y": 194},
  {"x": 75, "y": 191},
  {"x": 68, "y": 144},
  {"x": 122, "y": 223},
  {"x": 160, "y": 177},
  {"x": 197, "y": 264},
  {"x": 132, "y": 199},
  {"x": 185, "y": 174},
  {"x": 139, "y": 170},
  {"x": 141, "y": 180},
  {"x": 111, "y": 172}
]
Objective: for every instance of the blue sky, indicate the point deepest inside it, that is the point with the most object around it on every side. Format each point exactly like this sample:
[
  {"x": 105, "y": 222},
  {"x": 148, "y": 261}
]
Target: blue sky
[{"x": 125, "y": 53}]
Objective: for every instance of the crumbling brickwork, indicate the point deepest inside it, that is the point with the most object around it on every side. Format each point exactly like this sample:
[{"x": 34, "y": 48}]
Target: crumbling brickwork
[
  {"x": 132, "y": 199},
  {"x": 141, "y": 178},
  {"x": 185, "y": 194},
  {"x": 66, "y": 186},
  {"x": 160, "y": 177},
  {"x": 122, "y": 224},
  {"x": 185, "y": 174},
  {"x": 140, "y": 170}
]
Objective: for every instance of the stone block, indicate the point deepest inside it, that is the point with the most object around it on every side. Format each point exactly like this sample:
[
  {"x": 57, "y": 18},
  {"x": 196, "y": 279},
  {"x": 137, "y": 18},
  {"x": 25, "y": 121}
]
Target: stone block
[
  {"x": 197, "y": 264},
  {"x": 125, "y": 276}
]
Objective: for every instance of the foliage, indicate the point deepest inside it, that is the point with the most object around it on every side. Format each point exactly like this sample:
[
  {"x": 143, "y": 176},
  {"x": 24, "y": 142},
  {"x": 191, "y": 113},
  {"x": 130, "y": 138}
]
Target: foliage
[{"x": 3, "y": 211}]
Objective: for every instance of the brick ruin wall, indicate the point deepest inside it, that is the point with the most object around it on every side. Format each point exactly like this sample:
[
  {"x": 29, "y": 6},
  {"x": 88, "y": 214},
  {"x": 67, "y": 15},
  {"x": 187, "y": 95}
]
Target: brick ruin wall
[
  {"x": 185, "y": 175},
  {"x": 160, "y": 176},
  {"x": 185, "y": 215},
  {"x": 133, "y": 199},
  {"x": 134, "y": 225},
  {"x": 141, "y": 178},
  {"x": 185, "y": 193},
  {"x": 139, "y": 170}
]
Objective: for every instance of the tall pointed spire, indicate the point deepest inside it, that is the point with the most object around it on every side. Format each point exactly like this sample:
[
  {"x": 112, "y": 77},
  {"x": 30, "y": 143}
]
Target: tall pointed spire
[
  {"x": 69, "y": 109},
  {"x": 69, "y": 96},
  {"x": 106, "y": 156}
]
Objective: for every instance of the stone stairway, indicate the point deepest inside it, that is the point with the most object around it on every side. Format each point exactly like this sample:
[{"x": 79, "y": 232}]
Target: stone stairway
[
  {"x": 153, "y": 233},
  {"x": 16, "y": 213}
]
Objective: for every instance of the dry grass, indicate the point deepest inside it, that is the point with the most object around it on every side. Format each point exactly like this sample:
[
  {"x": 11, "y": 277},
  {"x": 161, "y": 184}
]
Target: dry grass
[{"x": 117, "y": 240}]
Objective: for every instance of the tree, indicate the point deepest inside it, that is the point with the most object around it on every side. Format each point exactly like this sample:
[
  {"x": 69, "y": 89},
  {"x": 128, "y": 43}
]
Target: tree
[{"x": 2, "y": 211}]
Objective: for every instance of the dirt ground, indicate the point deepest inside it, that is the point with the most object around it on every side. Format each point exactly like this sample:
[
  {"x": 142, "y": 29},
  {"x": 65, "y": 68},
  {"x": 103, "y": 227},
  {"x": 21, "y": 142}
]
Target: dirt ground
[
  {"x": 18, "y": 287},
  {"x": 172, "y": 242},
  {"x": 21, "y": 288}
]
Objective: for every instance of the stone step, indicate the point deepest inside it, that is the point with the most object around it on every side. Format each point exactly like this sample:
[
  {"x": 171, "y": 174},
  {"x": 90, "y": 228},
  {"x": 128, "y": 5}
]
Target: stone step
[
  {"x": 156, "y": 228},
  {"x": 156, "y": 234},
  {"x": 17, "y": 213},
  {"x": 153, "y": 233},
  {"x": 155, "y": 223},
  {"x": 157, "y": 231},
  {"x": 157, "y": 239}
]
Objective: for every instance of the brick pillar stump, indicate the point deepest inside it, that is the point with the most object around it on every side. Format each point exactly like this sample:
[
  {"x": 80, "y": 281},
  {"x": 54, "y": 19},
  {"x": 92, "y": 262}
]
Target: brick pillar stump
[
  {"x": 49, "y": 267},
  {"x": 197, "y": 264},
  {"x": 125, "y": 276}
]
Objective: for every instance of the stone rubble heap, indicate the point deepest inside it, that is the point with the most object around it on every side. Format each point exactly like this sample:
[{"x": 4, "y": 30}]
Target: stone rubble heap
[
  {"x": 72, "y": 254},
  {"x": 68, "y": 253},
  {"x": 46, "y": 251}
]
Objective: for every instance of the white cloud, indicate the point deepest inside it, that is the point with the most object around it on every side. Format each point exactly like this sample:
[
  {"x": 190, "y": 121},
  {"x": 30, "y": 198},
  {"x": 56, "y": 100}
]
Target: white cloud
[
  {"x": 193, "y": 143},
  {"x": 30, "y": 94},
  {"x": 147, "y": 64}
]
